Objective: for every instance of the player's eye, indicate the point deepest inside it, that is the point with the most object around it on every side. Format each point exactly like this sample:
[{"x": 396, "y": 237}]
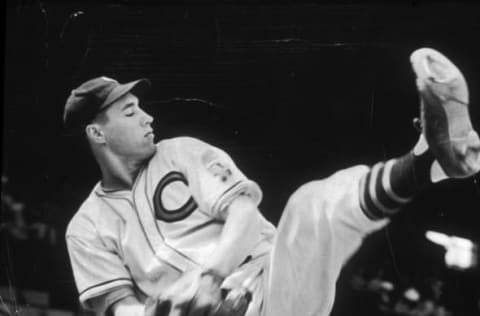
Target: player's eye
[{"x": 130, "y": 109}]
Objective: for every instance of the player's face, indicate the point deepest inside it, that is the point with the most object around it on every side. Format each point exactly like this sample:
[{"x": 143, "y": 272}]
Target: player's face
[{"x": 127, "y": 129}]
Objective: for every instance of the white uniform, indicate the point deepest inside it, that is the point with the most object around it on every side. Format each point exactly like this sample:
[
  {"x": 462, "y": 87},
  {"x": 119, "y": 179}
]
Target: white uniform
[
  {"x": 321, "y": 227},
  {"x": 173, "y": 217},
  {"x": 168, "y": 223}
]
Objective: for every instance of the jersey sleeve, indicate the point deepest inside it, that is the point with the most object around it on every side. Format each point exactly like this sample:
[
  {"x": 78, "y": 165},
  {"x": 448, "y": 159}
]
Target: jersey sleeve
[
  {"x": 213, "y": 177},
  {"x": 102, "y": 305},
  {"x": 97, "y": 270}
]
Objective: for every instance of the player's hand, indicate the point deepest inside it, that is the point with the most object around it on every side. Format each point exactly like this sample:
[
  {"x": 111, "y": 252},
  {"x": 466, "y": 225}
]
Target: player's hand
[
  {"x": 208, "y": 296},
  {"x": 197, "y": 294},
  {"x": 193, "y": 294},
  {"x": 235, "y": 303},
  {"x": 175, "y": 298},
  {"x": 209, "y": 300}
]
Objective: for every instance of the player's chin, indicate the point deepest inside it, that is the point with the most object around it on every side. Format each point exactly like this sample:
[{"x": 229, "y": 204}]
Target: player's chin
[
  {"x": 151, "y": 149},
  {"x": 147, "y": 151}
]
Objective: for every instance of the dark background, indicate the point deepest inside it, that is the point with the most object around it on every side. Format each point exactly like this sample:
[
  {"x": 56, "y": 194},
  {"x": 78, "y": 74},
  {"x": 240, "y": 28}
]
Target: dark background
[{"x": 292, "y": 91}]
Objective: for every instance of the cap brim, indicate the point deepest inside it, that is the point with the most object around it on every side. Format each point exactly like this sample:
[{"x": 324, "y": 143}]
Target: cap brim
[{"x": 137, "y": 87}]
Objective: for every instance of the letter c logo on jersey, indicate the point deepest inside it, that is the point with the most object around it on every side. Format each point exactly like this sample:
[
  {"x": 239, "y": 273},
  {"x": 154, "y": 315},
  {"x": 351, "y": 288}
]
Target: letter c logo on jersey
[{"x": 171, "y": 215}]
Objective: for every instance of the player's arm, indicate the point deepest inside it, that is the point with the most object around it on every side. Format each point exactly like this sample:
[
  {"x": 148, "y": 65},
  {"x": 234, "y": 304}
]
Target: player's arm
[
  {"x": 223, "y": 192},
  {"x": 243, "y": 224},
  {"x": 241, "y": 231},
  {"x": 200, "y": 292},
  {"x": 120, "y": 301},
  {"x": 128, "y": 306},
  {"x": 100, "y": 275}
]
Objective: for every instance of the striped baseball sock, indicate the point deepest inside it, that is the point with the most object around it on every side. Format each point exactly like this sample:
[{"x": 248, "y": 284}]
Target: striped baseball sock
[{"x": 388, "y": 186}]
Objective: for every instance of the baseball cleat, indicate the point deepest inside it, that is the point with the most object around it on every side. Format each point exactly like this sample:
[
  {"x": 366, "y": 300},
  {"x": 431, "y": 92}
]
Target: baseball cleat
[{"x": 445, "y": 119}]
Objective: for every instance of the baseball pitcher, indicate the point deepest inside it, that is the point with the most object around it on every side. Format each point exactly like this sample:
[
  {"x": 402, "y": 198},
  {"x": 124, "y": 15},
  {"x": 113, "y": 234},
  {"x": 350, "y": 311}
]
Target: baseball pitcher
[{"x": 173, "y": 228}]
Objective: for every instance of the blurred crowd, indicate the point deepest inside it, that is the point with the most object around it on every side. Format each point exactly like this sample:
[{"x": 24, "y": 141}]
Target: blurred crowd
[
  {"x": 32, "y": 256},
  {"x": 28, "y": 238},
  {"x": 20, "y": 224},
  {"x": 376, "y": 295},
  {"x": 388, "y": 299}
]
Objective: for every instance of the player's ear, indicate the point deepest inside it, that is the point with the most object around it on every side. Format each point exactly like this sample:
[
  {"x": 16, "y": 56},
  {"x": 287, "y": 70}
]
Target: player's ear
[{"x": 95, "y": 133}]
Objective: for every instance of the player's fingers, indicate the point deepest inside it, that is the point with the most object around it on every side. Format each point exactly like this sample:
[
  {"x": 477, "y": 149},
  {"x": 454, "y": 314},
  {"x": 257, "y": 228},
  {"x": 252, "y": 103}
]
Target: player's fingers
[
  {"x": 182, "y": 298},
  {"x": 178, "y": 305},
  {"x": 241, "y": 295},
  {"x": 235, "y": 303},
  {"x": 239, "y": 307},
  {"x": 205, "y": 301}
]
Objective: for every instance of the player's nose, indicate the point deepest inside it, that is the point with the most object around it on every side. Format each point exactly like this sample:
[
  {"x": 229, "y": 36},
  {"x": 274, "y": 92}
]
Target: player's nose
[{"x": 147, "y": 119}]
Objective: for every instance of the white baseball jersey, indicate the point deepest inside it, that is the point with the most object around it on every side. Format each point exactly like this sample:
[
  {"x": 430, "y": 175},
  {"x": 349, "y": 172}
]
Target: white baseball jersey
[
  {"x": 172, "y": 218},
  {"x": 168, "y": 223}
]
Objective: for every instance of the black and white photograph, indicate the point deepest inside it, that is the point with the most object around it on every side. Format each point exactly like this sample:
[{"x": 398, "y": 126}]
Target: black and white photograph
[{"x": 240, "y": 158}]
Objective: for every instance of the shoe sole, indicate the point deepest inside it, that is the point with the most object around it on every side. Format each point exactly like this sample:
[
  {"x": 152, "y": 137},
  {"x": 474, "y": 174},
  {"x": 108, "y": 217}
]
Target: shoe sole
[{"x": 444, "y": 113}]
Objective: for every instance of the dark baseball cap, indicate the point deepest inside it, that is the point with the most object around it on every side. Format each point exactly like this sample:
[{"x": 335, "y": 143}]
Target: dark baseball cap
[{"x": 95, "y": 95}]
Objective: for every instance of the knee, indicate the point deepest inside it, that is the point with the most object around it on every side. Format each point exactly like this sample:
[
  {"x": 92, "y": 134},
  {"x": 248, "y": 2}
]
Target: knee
[{"x": 303, "y": 202}]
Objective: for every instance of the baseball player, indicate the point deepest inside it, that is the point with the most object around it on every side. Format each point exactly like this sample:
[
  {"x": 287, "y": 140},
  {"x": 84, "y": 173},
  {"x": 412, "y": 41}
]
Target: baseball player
[{"x": 173, "y": 228}]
